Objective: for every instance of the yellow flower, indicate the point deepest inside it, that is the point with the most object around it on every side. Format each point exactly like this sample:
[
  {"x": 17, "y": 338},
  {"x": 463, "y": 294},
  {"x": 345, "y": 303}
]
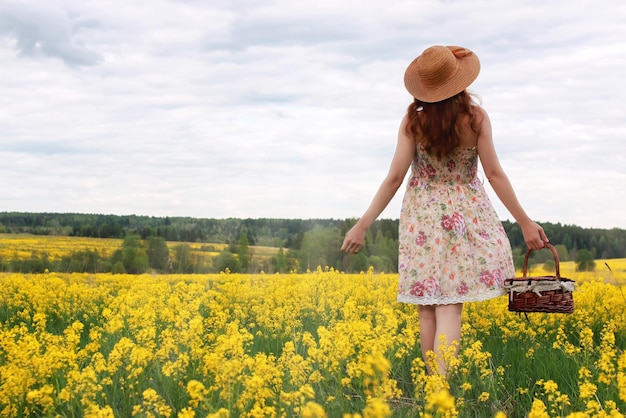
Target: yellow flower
[
  {"x": 94, "y": 411},
  {"x": 312, "y": 410},
  {"x": 376, "y": 408},
  {"x": 440, "y": 401},
  {"x": 483, "y": 397},
  {"x": 538, "y": 410},
  {"x": 186, "y": 413},
  {"x": 42, "y": 397},
  {"x": 550, "y": 386},
  {"x": 222, "y": 413},
  {"x": 608, "y": 354},
  {"x": 563, "y": 399},
  {"x": 612, "y": 406},
  {"x": 584, "y": 373},
  {"x": 587, "y": 390},
  {"x": 316, "y": 377},
  {"x": 621, "y": 376},
  {"x": 152, "y": 402},
  {"x": 466, "y": 386},
  {"x": 621, "y": 385},
  {"x": 593, "y": 407},
  {"x": 586, "y": 339}
]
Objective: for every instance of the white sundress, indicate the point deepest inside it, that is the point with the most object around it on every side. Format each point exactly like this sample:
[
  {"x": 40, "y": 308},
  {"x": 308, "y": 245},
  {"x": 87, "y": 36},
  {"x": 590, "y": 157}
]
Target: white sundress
[{"x": 452, "y": 246}]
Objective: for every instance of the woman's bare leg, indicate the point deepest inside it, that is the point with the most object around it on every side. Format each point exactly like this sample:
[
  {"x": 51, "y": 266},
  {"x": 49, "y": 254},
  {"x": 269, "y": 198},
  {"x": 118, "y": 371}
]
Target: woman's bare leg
[
  {"x": 448, "y": 320},
  {"x": 428, "y": 328}
]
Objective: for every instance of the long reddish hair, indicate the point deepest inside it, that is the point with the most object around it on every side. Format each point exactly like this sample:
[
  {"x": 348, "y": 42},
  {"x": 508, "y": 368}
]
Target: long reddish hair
[{"x": 437, "y": 126}]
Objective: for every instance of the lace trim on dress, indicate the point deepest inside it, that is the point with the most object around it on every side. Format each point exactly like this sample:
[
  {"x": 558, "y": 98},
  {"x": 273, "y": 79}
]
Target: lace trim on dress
[{"x": 434, "y": 300}]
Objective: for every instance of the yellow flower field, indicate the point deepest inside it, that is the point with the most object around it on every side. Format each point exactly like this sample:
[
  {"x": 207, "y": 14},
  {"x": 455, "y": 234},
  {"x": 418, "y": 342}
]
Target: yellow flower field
[
  {"x": 24, "y": 246},
  {"x": 611, "y": 271},
  {"x": 310, "y": 345}
]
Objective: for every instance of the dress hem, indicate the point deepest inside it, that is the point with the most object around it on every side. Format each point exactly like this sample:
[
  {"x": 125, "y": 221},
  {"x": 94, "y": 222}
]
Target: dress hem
[{"x": 433, "y": 300}]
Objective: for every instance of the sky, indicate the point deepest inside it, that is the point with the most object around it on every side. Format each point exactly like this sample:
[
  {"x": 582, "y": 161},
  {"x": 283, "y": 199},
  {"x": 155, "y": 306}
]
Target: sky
[{"x": 291, "y": 108}]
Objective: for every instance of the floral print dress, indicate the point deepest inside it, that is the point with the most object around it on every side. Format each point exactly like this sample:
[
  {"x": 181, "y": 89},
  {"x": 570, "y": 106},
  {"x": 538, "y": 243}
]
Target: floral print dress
[{"x": 453, "y": 247}]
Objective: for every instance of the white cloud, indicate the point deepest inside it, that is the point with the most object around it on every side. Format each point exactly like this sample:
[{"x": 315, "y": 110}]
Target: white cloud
[
  {"x": 39, "y": 30},
  {"x": 290, "y": 108}
]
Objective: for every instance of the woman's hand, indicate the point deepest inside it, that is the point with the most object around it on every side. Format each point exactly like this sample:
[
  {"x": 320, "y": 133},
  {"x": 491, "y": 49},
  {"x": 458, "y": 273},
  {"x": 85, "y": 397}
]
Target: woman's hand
[
  {"x": 354, "y": 240},
  {"x": 534, "y": 236}
]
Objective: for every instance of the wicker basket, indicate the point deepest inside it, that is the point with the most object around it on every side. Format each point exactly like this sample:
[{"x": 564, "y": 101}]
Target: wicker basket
[{"x": 552, "y": 294}]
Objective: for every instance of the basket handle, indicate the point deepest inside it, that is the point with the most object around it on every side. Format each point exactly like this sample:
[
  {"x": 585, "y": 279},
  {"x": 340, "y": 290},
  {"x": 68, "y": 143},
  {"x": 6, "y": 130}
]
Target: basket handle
[{"x": 556, "y": 260}]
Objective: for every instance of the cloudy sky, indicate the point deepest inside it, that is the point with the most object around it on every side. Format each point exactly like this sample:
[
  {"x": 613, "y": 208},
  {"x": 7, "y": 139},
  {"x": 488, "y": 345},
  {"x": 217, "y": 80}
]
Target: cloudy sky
[{"x": 290, "y": 108}]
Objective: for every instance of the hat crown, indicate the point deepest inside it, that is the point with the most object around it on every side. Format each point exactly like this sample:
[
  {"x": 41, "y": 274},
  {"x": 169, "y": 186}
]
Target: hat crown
[{"x": 436, "y": 65}]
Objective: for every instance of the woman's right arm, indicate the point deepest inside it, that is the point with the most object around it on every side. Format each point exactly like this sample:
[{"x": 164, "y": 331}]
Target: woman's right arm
[{"x": 403, "y": 156}]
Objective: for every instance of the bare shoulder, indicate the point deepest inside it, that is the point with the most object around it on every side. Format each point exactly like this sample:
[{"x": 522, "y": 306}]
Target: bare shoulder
[
  {"x": 480, "y": 114},
  {"x": 481, "y": 122},
  {"x": 403, "y": 131},
  {"x": 405, "y": 121}
]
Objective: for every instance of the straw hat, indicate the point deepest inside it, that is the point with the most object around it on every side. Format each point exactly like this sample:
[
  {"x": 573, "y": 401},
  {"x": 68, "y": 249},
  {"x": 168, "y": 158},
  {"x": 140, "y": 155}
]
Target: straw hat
[{"x": 441, "y": 72}]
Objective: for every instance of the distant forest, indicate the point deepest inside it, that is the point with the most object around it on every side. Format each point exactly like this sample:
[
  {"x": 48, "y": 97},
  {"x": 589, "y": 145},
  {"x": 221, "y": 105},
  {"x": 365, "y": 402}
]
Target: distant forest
[{"x": 310, "y": 242}]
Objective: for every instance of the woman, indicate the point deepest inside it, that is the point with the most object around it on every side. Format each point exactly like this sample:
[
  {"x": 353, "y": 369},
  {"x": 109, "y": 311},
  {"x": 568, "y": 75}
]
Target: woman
[{"x": 453, "y": 248}]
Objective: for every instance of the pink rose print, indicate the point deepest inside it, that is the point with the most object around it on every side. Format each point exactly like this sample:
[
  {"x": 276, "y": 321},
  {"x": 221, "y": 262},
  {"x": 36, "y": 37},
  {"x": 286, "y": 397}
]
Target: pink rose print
[
  {"x": 429, "y": 287},
  {"x": 414, "y": 182},
  {"x": 417, "y": 289},
  {"x": 451, "y": 165},
  {"x": 421, "y": 238},
  {"x": 454, "y": 223},
  {"x": 462, "y": 289},
  {"x": 428, "y": 171},
  {"x": 492, "y": 278},
  {"x": 498, "y": 278},
  {"x": 486, "y": 278}
]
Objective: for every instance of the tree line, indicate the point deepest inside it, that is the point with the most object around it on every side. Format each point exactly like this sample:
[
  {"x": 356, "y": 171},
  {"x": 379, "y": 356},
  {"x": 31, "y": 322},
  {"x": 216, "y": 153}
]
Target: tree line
[
  {"x": 137, "y": 256},
  {"x": 303, "y": 244}
]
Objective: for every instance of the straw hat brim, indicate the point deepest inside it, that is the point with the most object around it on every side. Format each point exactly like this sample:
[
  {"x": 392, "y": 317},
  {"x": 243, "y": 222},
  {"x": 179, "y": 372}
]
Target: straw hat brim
[{"x": 462, "y": 76}]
